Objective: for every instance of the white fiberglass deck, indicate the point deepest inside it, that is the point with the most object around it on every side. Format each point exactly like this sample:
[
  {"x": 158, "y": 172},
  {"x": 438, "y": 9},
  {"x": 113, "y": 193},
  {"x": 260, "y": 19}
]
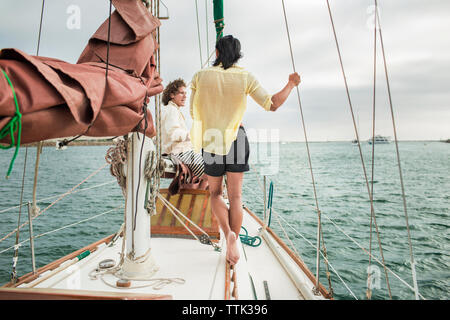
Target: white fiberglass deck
[{"x": 201, "y": 267}]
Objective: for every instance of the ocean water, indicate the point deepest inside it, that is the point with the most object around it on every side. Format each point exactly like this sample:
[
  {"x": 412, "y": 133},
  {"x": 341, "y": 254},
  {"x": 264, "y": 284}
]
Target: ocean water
[{"x": 93, "y": 210}]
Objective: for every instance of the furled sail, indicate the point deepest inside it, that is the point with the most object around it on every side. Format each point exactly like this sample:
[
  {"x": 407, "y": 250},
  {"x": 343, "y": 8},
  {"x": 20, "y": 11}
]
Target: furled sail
[{"x": 59, "y": 99}]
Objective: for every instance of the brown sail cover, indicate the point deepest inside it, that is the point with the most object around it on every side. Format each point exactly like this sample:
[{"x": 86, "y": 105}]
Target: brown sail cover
[{"x": 59, "y": 99}]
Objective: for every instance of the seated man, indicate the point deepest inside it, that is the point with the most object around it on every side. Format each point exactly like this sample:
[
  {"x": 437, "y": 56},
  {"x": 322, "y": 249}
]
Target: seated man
[{"x": 175, "y": 138}]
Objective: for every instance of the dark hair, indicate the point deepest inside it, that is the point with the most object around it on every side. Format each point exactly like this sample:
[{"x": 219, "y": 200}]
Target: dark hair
[
  {"x": 172, "y": 88},
  {"x": 229, "y": 49}
]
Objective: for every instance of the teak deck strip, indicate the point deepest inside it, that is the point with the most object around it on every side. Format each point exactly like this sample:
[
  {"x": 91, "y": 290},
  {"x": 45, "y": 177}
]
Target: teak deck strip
[
  {"x": 294, "y": 257},
  {"x": 194, "y": 204},
  {"x": 63, "y": 294}
]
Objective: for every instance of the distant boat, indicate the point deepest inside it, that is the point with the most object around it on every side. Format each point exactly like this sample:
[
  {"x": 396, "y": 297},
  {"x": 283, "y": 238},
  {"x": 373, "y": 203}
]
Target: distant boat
[{"x": 378, "y": 139}]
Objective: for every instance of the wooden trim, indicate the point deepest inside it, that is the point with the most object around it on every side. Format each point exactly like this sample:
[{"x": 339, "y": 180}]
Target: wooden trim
[
  {"x": 168, "y": 230},
  {"x": 192, "y": 191},
  {"x": 202, "y": 214},
  {"x": 163, "y": 210},
  {"x": 227, "y": 295},
  {"x": 234, "y": 292},
  {"x": 174, "y": 220},
  {"x": 186, "y": 191},
  {"x": 191, "y": 206},
  {"x": 294, "y": 257},
  {"x": 63, "y": 294},
  {"x": 53, "y": 265}
]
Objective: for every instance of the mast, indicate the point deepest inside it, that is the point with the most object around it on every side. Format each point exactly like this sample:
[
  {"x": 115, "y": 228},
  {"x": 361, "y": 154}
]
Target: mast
[
  {"x": 218, "y": 18},
  {"x": 138, "y": 261}
]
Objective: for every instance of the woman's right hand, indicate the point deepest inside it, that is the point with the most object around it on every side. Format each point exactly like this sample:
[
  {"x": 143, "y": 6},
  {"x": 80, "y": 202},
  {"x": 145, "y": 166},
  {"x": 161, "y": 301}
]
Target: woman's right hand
[{"x": 294, "y": 79}]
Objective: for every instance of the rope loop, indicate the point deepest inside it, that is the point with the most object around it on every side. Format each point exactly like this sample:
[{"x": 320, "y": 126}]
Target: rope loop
[{"x": 248, "y": 240}]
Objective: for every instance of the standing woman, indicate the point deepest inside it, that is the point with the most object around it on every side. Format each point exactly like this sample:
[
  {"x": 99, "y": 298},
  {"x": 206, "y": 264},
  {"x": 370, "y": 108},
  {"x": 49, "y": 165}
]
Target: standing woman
[{"x": 217, "y": 105}]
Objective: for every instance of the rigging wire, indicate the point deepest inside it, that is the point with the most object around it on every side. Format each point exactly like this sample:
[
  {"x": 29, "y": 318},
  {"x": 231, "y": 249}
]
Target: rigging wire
[
  {"x": 357, "y": 137},
  {"x": 374, "y": 258},
  {"x": 54, "y": 202},
  {"x": 16, "y": 251},
  {"x": 319, "y": 227},
  {"x": 369, "y": 291},
  {"x": 413, "y": 264},
  {"x": 40, "y": 144},
  {"x": 55, "y": 196},
  {"x": 40, "y": 28},
  {"x": 63, "y": 227},
  {"x": 381, "y": 263},
  {"x": 198, "y": 33},
  {"x": 206, "y": 27},
  {"x": 278, "y": 216}
]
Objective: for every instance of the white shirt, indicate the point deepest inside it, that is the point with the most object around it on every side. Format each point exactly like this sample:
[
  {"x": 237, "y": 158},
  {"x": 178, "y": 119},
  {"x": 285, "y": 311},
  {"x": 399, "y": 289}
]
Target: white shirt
[{"x": 175, "y": 136}]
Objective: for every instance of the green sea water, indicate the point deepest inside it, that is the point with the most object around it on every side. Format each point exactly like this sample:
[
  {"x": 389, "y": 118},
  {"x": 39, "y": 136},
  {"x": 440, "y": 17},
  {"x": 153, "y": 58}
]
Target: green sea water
[{"x": 342, "y": 198}]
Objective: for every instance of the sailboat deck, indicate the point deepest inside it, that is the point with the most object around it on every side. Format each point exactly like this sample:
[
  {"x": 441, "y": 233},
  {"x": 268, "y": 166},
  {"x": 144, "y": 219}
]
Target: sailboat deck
[{"x": 259, "y": 273}]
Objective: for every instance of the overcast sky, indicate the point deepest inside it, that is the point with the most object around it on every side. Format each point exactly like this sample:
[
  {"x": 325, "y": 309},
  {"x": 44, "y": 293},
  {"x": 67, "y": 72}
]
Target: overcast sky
[{"x": 415, "y": 34}]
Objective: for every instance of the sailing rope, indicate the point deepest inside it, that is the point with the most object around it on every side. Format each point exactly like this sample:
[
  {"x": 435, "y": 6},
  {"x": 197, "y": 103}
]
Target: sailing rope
[
  {"x": 319, "y": 224},
  {"x": 413, "y": 264},
  {"x": 205, "y": 239},
  {"x": 359, "y": 146},
  {"x": 154, "y": 162},
  {"x": 117, "y": 156}
]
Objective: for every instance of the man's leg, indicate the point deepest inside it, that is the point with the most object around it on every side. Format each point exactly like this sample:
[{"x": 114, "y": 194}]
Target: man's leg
[
  {"x": 234, "y": 192},
  {"x": 220, "y": 211}
]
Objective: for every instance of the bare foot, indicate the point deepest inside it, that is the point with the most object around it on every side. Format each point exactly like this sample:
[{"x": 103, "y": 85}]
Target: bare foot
[{"x": 232, "y": 248}]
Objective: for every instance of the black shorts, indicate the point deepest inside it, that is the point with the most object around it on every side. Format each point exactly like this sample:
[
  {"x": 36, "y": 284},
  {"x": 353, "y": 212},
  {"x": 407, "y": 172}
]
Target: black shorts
[{"x": 235, "y": 161}]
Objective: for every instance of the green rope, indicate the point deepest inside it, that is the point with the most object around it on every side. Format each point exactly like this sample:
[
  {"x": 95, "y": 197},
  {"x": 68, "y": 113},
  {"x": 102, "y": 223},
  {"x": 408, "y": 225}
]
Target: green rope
[
  {"x": 248, "y": 240},
  {"x": 15, "y": 124},
  {"x": 269, "y": 202}
]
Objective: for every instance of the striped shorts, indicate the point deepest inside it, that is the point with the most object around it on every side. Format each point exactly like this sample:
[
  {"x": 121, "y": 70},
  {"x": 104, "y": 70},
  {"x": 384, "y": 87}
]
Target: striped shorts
[{"x": 194, "y": 161}]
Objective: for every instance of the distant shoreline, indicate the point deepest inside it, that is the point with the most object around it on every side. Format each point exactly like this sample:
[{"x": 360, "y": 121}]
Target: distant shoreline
[
  {"x": 75, "y": 143},
  {"x": 103, "y": 142}
]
